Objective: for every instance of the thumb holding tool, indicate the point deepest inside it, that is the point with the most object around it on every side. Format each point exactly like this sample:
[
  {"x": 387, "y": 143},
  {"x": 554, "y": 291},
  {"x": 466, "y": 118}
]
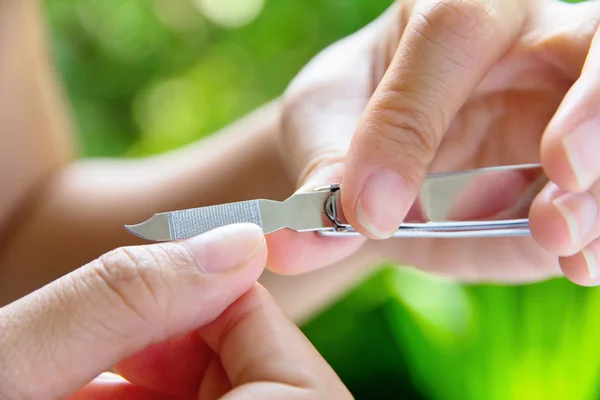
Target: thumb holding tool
[
  {"x": 442, "y": 56},
  {"x": 371, "y": 111},
  {"x": 566, "y": 216},
  {"x": 177, "y": 319}
]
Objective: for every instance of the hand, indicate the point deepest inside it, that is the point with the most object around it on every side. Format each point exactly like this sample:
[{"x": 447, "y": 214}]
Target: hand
[
  {"x": 446, "y": 85},
  {"x": 181, "y": 320}
]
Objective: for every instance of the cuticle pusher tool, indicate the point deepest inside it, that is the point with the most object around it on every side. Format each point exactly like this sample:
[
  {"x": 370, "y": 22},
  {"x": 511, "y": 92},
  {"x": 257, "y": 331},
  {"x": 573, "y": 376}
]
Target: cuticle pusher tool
[{"x": 485, "y": 202}]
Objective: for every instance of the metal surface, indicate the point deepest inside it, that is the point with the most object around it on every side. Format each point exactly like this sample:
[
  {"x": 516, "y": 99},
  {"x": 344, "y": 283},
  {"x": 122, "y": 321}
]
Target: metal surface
[
  {"x": 487, "y": 202},
  {"x": 452, "y": 230},
  {"x": 301, "y": 212}
]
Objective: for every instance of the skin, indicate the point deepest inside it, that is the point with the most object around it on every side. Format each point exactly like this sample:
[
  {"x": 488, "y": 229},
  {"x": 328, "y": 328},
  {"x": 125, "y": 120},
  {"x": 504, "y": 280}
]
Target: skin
[
  {"x": 438, "y": 86},
  {"x": 186, "y": 320},
  {"x": 52, "y": 199},
  {"x": 329, "y": 131},
  {"x": 420, "y": 90},
  {"x": 89, "y": 201}
]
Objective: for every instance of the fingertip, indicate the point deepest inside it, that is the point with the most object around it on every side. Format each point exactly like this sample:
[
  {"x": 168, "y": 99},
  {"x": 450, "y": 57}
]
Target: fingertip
[
  {"x": 365, "y": 221},
  {"x": 562, "y": 222},
  {"x": 548, "y": 229},
  {"x": 293, "y": 253},
  {"x": 581, "y": 269},
  {"x": 377, "y": 204},
  {"x": 227, "y": 247},
  {"x": 569, "y": 144},
  {"x": 559, "y": 168}
]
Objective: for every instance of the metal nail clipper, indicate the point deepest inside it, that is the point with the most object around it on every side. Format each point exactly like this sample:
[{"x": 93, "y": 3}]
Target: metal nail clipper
[{"x": 486, "y": 202}]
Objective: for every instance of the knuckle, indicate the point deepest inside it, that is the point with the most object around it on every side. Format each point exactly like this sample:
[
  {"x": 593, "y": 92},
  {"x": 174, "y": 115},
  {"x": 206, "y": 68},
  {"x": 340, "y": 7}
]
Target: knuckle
[
  {"x": 465, "y": 19},
  {"x": 135, "y": 278},
  {"x": 407, "y": 132},
  {"x": 468, "y": 18},
  {"x": 119, "y": 278}
]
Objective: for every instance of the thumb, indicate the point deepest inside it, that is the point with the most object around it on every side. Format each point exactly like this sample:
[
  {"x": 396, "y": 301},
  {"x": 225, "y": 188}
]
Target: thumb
[
  {"x": 443, "y": 55},
  {"x": 59, "y": 338}
]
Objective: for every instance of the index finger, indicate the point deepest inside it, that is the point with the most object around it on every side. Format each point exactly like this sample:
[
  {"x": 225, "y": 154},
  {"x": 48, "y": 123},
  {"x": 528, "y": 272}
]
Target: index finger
[
  {"x": 266, "y": 356},
  {"x": 445, "y": 51}
]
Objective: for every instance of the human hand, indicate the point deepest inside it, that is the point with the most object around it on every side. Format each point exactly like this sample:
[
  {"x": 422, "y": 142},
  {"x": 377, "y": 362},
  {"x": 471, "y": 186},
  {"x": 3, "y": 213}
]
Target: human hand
[
  {"x": 438, "y": 86},
  {"x": 177, "y": 321}
]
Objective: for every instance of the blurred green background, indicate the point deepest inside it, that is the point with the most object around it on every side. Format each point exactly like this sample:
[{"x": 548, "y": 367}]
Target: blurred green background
[{"x": 147, "y": 76}]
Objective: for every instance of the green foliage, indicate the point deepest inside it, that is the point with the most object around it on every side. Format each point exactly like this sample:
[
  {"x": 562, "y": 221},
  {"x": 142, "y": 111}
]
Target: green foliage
[
  {"x": 359, "y": 342},
  {"x": 404, "y": 334},
  {"x": 527, "y": 342},
  {"x": 145, "y": 76}
]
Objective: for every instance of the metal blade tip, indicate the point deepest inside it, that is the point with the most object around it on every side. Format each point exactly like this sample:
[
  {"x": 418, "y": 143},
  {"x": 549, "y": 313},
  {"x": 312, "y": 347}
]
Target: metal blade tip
[{"x": 155, "y": 228}]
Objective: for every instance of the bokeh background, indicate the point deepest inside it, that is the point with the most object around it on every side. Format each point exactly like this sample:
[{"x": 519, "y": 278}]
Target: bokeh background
[{"x": 147, "y": 76}]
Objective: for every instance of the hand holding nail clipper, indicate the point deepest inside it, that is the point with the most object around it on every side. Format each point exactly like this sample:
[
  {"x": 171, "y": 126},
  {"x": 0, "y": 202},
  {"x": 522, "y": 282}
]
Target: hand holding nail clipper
[{"x": 441, "y": 86}]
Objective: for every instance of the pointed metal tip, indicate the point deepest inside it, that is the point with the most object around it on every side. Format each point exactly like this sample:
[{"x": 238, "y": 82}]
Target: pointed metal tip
[
  {"x": 155, "y": 228},
  {"x": 134, "y": 229}
]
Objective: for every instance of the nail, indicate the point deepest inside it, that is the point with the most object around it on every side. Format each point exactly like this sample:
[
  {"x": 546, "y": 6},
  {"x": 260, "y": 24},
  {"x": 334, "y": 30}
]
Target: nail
[
  {"x": 325, "y": 176},
  {"x": 382, "y": 203},
  {"x": 110, "y": 377},
  {"x": 227, "y": 247},
  {"x": 581, "y": 148},
  {"x": 580, "y": 211},
  {"x": 592, "y": 265}
]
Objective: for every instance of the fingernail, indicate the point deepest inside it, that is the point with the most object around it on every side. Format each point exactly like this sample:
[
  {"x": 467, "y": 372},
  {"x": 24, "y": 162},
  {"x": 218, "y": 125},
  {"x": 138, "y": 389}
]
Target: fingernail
[
  {"x": 110, "y": 377},
  {"x": 323, "y": 177},
  {"x": 382, "y": 202},
  {"x": 581, "y": 148},
  {"x": 590, "y": 260},
  {"x": 227, "y": 247},
  {"x": 580, "y": 211}
]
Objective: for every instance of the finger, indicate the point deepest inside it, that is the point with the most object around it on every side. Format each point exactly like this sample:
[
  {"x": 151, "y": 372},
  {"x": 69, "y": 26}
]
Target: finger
[
  {"x": 293, "y": 253},
  {"x": 571, "y": 141},
  {"x": 564, "y": 222},
  {"x": 266, "y": 356},
  {"x": 583, "y": 268},
  {"x": 109, "y": 386},
  {"x": 564, "y": 217},
  {"x": 320, "y": 112},
  {"x": 65, "y": 334},
  {"x": 317, "y": 138},
  {"x": 443, "y": 54},
  {"x": 176, "y": 367}
]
